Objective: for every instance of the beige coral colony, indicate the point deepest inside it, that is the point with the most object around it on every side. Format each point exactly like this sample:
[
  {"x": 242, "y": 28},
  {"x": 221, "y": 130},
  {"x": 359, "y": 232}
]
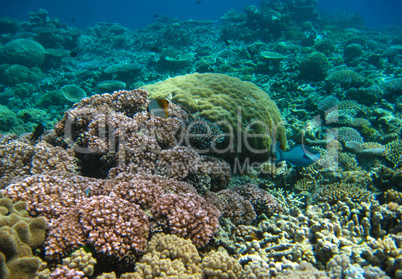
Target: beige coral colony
[{"x": 266, "y": 144}]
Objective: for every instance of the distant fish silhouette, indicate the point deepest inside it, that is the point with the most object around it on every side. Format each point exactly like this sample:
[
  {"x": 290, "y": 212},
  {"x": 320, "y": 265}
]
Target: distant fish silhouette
[
  {"x": 299, "y": 155},
  {"x": 26, "y": 117},
  {"x": 73, "y": 19},
  {"x": 197, "y": 2},
  {"x": 38, "y": 132},
  {"x": 156, "y": 15},
  {"x": 159, "y": 107}
]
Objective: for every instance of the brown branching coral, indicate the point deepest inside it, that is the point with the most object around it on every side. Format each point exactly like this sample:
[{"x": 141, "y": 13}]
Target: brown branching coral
[
  {"x": 337, "y": 191},
  {"x": 262, "y": 201},
  {"x": 188, "y": 216},
  {"x": 111, "y": 219},
  {"x": 15, "y": 156},
  {"x": 126, "y": 138},
  {"x": 119, "y": 125},
  {"x": 20, "y": 157},
  {"x": 178, "y": 162},
  {"x": 234, "y": 206},
  {"x": 217, "y": 169},
  {"x": 143, "y": 189},
  {"x": 50, "y": 159},
  {"x": 45, "y": 195},
  {"x": 114, "y": 227},
  {"x": 65, "y": 235}
]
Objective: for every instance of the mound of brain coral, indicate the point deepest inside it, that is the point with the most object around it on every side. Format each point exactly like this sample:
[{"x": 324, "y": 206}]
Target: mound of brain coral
[{"x": 241, "y": 107}]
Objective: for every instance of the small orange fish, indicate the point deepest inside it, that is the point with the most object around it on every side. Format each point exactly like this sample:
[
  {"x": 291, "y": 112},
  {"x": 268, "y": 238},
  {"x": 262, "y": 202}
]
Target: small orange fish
[{"x": 159, "y": 107}]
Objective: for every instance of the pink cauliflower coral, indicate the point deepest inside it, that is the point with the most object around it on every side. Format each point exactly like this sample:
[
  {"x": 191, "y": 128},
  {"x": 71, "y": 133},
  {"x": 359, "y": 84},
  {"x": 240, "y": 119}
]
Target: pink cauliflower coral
[
  {"x": 188, "y": 216},
  {"x": 114, "y": 227}
]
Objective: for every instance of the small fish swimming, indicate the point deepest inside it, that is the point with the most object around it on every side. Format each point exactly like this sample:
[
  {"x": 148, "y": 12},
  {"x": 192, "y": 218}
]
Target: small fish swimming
[
  {"x": 159, "y": 107},
  {"x": 299, "y": 155},
  {"x": 37, "y": 133}
]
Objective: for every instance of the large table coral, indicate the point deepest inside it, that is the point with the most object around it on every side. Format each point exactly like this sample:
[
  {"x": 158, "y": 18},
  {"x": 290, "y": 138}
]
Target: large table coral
[{"x": 240, "y": 107}]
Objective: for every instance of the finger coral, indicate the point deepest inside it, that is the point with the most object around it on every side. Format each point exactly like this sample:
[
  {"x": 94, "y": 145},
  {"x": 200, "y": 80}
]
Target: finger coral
[
  {"x": 169, "y": 255},
  {"x": 220, "y": 265},
  {"x": 19, "y": 234}
]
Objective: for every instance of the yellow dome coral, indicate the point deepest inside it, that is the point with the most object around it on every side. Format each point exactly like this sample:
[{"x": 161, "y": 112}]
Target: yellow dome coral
[{"x": 248, "y": 116}]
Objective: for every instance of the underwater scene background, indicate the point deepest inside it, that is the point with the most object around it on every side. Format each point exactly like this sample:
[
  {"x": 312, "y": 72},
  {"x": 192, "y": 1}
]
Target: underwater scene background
[{"x": 194, "y": 139}]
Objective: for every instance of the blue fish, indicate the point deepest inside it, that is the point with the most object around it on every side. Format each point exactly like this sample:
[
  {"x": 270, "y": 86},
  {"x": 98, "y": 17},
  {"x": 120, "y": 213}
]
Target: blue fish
[{"x": 299, "y": 155}]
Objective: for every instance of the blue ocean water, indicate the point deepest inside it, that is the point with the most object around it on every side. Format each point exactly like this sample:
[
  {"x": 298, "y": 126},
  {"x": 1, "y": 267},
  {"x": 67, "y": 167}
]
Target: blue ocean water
[
  {"x": 139, "y": 13},
  {"x": 375, "y": 12}
]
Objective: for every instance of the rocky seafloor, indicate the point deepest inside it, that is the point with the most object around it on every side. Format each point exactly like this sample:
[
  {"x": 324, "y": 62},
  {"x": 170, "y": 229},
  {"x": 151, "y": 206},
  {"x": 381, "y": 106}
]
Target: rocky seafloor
[{"x": 109, "y": 190}]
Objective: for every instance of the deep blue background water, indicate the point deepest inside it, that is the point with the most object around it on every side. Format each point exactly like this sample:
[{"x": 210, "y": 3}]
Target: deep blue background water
[{"x": 139, "y": 13}]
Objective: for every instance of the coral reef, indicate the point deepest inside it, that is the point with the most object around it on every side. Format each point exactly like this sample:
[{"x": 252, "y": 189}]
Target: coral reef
[
  {"x": 78, "y": 220},
  {"x": 114, "y": 191},
  {"x": 220, "y": 265},
  {"x": 18, "y": 74},
  {"x": 262, "y": 201}
]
